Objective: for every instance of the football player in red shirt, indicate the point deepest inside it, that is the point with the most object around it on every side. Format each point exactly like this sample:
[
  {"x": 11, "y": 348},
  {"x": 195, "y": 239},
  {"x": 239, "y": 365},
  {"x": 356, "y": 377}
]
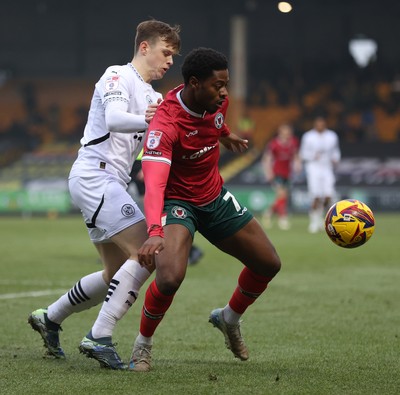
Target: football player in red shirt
[
  {"x": 185, "y": 194},
  {"x": 279, "y": 160}
]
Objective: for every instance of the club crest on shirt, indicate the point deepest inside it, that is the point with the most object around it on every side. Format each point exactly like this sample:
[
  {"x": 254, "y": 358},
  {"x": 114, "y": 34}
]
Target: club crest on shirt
[
  {"x": 219, "y": 120},
  {"x": 112, "y": 82},
  {"x": 149, "y": 99},
  {"x": 127, "y": 210},
  {"x": 179, "y": 212},
  {"x": 154, "y": 139}
]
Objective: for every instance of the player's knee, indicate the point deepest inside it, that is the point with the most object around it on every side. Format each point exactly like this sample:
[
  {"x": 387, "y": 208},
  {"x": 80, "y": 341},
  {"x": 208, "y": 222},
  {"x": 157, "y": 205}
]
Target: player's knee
[
  {"x": 272, "y": 265},
  {"x": 276, "y": 264},
  {"x": 106, "y": 277},
  {"x": 169, "y": 284}
]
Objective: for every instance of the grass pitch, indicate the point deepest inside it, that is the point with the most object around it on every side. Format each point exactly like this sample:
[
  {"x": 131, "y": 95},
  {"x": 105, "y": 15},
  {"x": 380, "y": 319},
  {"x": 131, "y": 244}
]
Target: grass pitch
[{"x": 328, "y": 324}]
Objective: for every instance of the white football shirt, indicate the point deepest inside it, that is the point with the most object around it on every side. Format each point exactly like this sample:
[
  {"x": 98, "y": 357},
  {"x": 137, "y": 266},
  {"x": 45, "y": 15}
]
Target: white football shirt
[
  {"x": 320, "y": 149},
  {"x": 114, "y": 152}
]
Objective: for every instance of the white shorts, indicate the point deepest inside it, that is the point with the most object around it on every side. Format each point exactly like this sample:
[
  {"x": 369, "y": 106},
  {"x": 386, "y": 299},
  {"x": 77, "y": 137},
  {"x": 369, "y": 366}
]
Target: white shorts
[
  {"x": 106, "y": 206},
  {"x": 320, "y": 182}
]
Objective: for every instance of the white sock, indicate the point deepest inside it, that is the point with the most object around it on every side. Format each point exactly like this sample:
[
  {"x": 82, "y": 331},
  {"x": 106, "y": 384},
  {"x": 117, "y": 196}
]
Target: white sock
[
  {"x": 316, "y": 217},
  {"x": 123, "y": 292},
  {"x": 89, "y": 291},
  {"x": 312, "y": 216},
  {"x": 144, "y": 340},
  {"x": 319, "y": 217},
  {"x": 230, "y": 316}
]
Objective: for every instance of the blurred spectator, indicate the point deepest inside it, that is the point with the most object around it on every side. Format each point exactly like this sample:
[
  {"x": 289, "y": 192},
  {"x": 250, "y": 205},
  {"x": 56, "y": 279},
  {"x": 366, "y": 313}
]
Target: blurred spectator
[
  {"x": 368, "y": 125},
  {"x": 361, "y": 105}
]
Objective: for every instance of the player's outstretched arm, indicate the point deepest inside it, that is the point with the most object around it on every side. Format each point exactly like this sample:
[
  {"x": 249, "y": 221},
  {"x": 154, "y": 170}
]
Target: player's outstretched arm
[{"x": 155, "y": 177}]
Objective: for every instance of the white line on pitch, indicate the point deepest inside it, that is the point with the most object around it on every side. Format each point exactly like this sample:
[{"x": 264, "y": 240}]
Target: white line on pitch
[{"x": 33, "y": 294}]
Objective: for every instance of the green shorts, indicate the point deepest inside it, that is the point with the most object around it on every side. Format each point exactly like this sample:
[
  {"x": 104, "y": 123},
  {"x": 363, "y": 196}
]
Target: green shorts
[
  {"x": 278, "y": 180},
  {"x": 215, "y": 221}
]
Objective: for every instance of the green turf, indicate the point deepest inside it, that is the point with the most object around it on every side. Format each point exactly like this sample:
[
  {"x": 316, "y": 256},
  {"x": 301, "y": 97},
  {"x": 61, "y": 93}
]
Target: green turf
[{"x": 329, "y": 323}]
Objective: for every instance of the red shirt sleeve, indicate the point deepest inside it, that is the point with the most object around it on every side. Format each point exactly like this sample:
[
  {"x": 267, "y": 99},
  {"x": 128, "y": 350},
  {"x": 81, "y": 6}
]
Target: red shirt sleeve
[{"x": 155, "y": 179}]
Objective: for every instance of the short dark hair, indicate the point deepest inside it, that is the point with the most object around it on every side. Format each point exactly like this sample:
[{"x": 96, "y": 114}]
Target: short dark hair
[
  {"x": 152, "y": 29},
  {"x": 202, "y": 62}
]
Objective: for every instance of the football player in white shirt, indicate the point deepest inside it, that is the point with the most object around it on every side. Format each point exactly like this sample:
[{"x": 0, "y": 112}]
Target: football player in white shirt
[
  {"x": 319, "y": 149},
  {"x": 122, "y": 106}
]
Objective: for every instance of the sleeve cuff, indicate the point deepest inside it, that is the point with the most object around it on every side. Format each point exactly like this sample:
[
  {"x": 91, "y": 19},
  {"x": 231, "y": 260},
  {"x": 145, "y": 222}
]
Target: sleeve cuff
[{"x": 155, "y": 230}]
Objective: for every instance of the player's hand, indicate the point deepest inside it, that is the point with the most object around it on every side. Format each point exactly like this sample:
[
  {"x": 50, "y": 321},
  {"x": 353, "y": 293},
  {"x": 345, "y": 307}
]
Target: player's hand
[
  {"x": 151, "y": 110},
  {"x": 234, "y": 143},
  {"x": 150, "y": 248}
]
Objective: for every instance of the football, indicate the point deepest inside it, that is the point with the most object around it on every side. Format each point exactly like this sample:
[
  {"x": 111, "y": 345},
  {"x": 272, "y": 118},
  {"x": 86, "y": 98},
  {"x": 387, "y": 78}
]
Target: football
[{"x": 349, "y": 223}]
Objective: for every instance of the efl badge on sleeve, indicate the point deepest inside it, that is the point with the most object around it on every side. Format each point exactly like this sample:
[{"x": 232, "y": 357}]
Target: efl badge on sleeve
[
  {"x": 154, "y": 139},
  {"x": 112, "y": 83}
]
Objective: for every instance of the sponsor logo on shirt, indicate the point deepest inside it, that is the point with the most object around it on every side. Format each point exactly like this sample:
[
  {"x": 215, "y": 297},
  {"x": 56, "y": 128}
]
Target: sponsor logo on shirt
[
  {"x": 198, "y": 153},
  {"x": 219, "y": 120},
  {"x": 119, "y": 93},
  {"x": 157, "y": 153},
  {"x": 192, "y": 133},
  {"x": 154, "y": 139},
  {"x": 112, "y": 83}
]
